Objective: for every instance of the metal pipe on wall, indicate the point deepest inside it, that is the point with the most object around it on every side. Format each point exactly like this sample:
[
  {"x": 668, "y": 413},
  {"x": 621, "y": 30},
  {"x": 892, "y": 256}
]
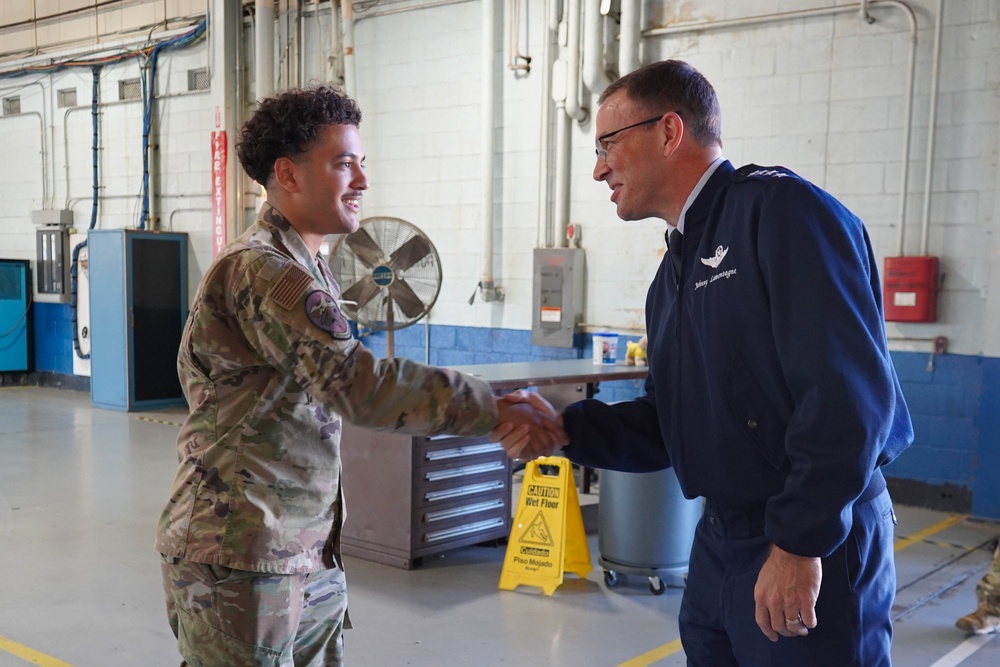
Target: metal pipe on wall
[
  {"x": 567, "y": 76},
  {"x": 932, "y": 127},
  {"x": 904, "y": 183},
  {"x": 549, "y": 48},
  {"x": 630, "y": 36},
  {"x": 41, "y": 135},
  {"x": 684, "y": 28},
  {"x": 573, "y": 108},
  {"x": 562, "y": 160},
  {"x": 264, "y": 47},
  {"x": 45, "y": 152},
  {"x": 336, "y": 58},
  {"x": 488, "y": 153},
  {"x": 594, "y": 76},
  {"x": 347, "y": 29}
]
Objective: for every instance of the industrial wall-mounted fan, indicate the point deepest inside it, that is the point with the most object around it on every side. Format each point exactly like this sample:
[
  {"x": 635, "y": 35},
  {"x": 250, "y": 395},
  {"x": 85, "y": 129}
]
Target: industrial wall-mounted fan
[{"x": 389, "y": 272}]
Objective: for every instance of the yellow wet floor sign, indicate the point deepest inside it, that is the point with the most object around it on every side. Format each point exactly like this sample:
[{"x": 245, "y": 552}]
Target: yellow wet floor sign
[{"x": 547, "y": 537}]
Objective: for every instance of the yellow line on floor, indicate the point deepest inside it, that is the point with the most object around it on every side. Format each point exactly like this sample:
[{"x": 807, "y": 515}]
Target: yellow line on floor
[
  {"x": 958, "y": 655},
  {"x": 927, "y": 532},
  {"x": 165, "y": 422},
  {"x": 31, "y": 655},
  {"x": 650, "y": 657}
]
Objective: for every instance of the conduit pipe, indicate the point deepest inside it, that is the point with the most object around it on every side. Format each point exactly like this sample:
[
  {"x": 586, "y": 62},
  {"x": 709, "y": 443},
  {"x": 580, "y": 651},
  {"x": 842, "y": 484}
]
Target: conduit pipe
[
  {"x": 561, "y": 195},
  {"x": 46, "y": 106},
  {"x": 566, "y": 93},
  {"x": 41, "y": 135},
  {"x": 573, "y": 108},
  {"x": 108, "y": 48},
  {"x": 594, "y": 76},
  {"x": 104, "y": 105},
  {"x": 487, "y": 289},
  {"x": 683, "y": 28},
  {"x": 336, "y": 45},
  {"x": 932, "y": 127},
  {"x": 347, "y": 29},
  {"x": 264, "y": 47},
  {"x": 549, "y": 46},
  {"x": 630, "y": 34}
]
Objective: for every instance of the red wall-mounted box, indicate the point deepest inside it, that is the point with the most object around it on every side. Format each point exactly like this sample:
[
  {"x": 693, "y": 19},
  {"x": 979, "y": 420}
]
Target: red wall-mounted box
[{"x": 911, "y": 289}]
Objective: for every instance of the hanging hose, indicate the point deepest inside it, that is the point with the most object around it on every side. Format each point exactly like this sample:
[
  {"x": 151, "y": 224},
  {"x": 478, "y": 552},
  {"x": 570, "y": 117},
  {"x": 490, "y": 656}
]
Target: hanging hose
[
  {"x": 95, "y": 100},
  {"x": 149, "y": 98}
]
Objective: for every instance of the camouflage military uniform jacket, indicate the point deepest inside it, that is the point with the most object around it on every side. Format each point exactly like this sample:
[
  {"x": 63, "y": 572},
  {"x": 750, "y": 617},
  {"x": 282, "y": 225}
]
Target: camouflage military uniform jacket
[{"x": 269, "y": 367}]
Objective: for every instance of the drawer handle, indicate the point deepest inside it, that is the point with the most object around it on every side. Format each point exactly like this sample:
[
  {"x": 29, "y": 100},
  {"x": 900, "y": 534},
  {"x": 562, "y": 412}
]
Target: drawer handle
[
  {"x": 467, "y": 529},
  {"x": 464, "y": 510},
  {"x": 464, "y": 471},
  {"x": 456, "y": 452},
  {"x": 459, "y": 491}
]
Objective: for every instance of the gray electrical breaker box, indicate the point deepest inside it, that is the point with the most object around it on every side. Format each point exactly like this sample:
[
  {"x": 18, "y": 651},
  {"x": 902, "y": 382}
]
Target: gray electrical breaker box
[
  {"x": 557, "y": 296},
  {"x": 52, "y": 262}
]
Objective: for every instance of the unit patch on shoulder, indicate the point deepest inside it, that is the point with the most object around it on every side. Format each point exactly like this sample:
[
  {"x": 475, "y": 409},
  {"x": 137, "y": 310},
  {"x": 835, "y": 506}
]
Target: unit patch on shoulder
[
  {"x": 288, "y": 288},
  {"x": 322, "y": 310}
]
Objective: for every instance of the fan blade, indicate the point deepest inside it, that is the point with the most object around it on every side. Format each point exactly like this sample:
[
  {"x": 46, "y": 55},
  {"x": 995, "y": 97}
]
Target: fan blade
[
  {"x": 361, "y": 292},
  {"x": 408, "y": 254},
  {"x": 408, "y": 301},
  {"x": 364, "y": 247}
]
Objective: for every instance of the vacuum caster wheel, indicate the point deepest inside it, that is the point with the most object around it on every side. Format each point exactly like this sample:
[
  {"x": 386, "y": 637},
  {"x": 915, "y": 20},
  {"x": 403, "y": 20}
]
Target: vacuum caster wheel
[
  {"x": 656, "y": 586},
  {"x": 610, "y": 578}
]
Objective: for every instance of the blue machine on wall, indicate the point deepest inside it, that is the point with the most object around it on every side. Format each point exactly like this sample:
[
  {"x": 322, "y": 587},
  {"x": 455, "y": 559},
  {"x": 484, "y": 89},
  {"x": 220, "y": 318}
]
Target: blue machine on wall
[
  {"x": 138, "y": 307},
  {"x": 15, "y": 315}
]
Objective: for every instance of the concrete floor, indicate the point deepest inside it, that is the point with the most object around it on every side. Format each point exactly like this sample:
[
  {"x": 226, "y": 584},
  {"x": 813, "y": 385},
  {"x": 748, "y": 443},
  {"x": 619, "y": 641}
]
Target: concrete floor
[{"x": 81, "y": 488}]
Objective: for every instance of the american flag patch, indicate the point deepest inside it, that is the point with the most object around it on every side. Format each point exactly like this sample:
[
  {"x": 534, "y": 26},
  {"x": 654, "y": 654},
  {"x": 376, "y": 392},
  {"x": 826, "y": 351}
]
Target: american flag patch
[{"x": 289, "y": 288}]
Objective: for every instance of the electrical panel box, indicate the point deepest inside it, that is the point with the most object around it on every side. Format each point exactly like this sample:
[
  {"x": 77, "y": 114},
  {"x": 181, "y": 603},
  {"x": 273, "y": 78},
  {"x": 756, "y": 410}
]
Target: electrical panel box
[
  {"x": 138, "y": 309},
  {"x": 15, "y": 315},
  {"x": 910, "y": 289},
  {"x": 557, "y": 296},
  {"x": 52, "y": 259}
]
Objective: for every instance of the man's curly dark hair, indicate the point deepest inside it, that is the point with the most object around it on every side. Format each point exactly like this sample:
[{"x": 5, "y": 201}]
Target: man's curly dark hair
[{"x": 285, "y": 125}]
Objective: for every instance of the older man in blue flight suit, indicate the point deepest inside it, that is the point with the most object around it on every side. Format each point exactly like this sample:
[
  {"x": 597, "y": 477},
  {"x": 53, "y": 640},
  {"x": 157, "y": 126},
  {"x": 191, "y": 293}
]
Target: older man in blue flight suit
[{"x": 771, "y": 391}]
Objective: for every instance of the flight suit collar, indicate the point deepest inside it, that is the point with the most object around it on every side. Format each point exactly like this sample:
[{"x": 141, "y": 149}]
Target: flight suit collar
[{"x": 697, "y": 213}]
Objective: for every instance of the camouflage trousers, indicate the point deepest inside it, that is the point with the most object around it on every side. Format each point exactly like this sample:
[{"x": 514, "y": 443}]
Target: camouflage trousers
[
  {"x": 234, "y": 618},
  {"x": 988, "y": 588}
]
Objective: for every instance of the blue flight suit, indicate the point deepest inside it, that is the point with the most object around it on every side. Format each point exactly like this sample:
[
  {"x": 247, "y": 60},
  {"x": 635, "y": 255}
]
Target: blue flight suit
[{"x": 772, "y": 394}]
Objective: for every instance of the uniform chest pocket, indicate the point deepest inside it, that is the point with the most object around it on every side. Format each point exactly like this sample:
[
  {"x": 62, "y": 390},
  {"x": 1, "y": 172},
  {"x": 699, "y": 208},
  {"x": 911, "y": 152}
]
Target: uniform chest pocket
[{"x": 754, "y": 414}]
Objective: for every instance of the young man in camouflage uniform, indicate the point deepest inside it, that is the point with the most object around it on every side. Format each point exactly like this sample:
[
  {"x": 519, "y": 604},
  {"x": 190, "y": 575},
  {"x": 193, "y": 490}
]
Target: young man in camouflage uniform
[
  {"x": 250, "y": 537},
  {"x": 986, "y": 618}
]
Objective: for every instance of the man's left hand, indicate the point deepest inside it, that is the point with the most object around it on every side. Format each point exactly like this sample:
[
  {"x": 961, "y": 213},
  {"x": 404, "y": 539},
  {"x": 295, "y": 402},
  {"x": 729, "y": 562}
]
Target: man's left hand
[{"x": 786, "y": 593}]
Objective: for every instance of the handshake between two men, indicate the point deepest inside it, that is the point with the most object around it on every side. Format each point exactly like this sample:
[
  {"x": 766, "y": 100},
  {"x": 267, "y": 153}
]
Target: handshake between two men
[{"x": 528, "y": 426}]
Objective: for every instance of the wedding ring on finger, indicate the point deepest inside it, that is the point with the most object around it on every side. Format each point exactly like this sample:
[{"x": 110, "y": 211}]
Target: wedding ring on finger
[{"x": 793, "y": 621}]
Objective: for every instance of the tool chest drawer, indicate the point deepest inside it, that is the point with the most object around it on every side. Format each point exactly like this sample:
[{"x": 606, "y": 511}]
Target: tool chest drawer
[{"x": 409, "y": 496}]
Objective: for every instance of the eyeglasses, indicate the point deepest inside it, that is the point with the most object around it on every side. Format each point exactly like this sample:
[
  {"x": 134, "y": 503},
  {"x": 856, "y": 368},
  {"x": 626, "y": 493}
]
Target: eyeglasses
[{"x": 602, "y": 150}]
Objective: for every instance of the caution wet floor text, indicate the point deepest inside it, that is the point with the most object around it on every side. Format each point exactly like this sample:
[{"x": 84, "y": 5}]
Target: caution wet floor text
[{"x": 547, "y": 537}]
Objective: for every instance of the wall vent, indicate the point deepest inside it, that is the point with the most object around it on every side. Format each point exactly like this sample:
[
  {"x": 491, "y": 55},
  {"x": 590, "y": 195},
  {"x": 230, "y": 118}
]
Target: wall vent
[
  {"x": 66, "y": 97},
  {"x": 198, "y": 79},
  {"x": 12, "y": 105},
  {"x": 130, "y": 89}
]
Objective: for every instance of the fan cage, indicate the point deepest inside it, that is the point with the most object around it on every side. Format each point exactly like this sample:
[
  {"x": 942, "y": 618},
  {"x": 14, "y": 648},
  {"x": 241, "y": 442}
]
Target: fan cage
[{"x": 423, "y": 277}]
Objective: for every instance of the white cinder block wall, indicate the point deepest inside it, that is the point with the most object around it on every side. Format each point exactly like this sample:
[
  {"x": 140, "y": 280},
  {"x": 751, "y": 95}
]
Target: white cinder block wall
[{"x": 822, "y": 96}]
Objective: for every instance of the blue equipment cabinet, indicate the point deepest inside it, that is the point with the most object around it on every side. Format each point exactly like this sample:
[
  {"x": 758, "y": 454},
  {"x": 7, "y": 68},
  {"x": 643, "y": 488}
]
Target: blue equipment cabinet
[
  {"x": 15, "y": 315},
  {"x": 138, "y": 307}
]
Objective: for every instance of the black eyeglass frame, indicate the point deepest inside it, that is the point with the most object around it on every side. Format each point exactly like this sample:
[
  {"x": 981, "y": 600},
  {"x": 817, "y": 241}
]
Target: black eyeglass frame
[{"x": 604, "y": 137}]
